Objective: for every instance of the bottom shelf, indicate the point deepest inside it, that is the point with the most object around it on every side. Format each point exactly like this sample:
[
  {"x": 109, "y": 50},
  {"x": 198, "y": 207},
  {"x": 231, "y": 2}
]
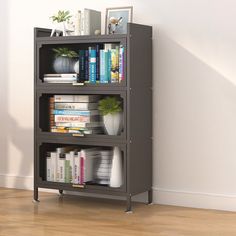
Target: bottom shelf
[{"x": 87, "y": 188}]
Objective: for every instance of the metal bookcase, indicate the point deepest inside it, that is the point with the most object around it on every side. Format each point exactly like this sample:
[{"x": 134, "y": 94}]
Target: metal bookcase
[{"x": 135, "y": 142}]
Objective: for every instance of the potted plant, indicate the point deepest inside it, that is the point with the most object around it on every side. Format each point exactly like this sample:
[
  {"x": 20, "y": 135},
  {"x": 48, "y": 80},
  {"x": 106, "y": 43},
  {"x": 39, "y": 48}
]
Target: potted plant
[
  {"x": 110, "y": 108},
  {"x": 61, "y": 18},
  {"x": 65, "y": 61}
]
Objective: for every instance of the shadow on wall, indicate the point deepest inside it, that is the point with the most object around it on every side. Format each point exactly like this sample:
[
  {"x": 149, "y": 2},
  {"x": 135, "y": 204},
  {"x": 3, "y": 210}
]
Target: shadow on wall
[
  {"x": 194, "y": 122},
  {"x": 11, "y": 132},
  {"x": 3, "y": 90},
  {"x": 22, "y": 139}
]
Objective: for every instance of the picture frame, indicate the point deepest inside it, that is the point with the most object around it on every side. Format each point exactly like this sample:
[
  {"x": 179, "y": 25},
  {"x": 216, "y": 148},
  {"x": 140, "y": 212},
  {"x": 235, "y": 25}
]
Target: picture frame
[{"x": 117, "y": 19}]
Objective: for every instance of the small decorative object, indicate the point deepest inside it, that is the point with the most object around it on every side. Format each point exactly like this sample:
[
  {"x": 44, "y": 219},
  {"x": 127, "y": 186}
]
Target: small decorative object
[
  {"x": 117, "y": 19},
  {"x": 61, "y": 18},
  {"x": 110, "y": 107},
  {"x": 76, "y": 67},
  {"x": 65, "y": 60},
  {"x": 116, "y": 169},
  {"x": 97, "y": 32}
]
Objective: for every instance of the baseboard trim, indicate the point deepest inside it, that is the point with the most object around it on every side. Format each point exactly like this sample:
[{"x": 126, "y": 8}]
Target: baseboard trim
[
  {"x": 226, "y": 202},
  {"x": 161, "y": 196},
  {"x": 19, "y": 182}
]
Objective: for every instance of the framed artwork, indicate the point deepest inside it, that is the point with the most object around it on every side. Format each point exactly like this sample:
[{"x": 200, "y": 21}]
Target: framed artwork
[{"x": 117, "y": 19}]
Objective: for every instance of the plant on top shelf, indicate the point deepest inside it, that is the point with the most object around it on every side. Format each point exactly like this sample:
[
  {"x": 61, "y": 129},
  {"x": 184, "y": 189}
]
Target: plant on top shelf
[
  {"x": 110, "y": 108},
  {"x": 66, "y": 61},
  {"x": 61, "y": 18}
]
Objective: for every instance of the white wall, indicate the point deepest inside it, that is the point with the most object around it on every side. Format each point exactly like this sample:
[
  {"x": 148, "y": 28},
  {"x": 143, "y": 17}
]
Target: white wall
[{"x": 194, "y": 94}]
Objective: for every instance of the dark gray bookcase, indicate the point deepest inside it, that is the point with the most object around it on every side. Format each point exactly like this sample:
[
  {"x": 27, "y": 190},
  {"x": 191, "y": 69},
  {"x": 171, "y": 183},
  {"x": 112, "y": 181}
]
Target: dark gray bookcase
[{"x": 135, "y": 140}]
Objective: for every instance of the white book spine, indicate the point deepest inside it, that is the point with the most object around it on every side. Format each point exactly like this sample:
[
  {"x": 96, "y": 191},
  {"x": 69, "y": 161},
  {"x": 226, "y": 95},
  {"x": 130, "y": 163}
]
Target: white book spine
[
  {"x": 82, "y": 24},
  {"x": 76, "y": 168},
  {"x": 86, "y": 22},
  {"x": 49, "y": 170},
  {"x": 54, "y": 166},
  {"x": 78, "y": 23},
  {"x": 72, "y": 165},
  {"x": 61, "y": 170}
]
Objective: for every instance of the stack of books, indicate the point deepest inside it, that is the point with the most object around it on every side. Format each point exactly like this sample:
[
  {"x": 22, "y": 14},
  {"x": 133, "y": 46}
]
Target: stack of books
[
  {"x": 60, "y": 78},
  {"x": 103, "y": 168},
  {"x": 75, "y": 114}
]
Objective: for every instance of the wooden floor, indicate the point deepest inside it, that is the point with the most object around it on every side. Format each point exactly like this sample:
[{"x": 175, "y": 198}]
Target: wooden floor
[{"x": 73, "y": 215}]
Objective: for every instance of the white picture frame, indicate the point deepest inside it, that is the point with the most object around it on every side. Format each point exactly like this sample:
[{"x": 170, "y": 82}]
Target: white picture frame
[{"x": 117, "y": 19}]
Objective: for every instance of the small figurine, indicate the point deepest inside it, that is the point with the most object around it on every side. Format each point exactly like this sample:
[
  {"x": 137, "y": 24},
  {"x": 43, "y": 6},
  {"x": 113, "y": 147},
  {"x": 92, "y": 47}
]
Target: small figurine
[{"x": 113, "y": 24}]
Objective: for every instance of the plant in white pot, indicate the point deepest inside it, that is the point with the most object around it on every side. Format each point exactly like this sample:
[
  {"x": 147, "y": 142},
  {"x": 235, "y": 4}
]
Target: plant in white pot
[
  {"x": 66, "y": 61},
  {"x": 110, "y": 108},
  {"x": 61, "y": 18}
]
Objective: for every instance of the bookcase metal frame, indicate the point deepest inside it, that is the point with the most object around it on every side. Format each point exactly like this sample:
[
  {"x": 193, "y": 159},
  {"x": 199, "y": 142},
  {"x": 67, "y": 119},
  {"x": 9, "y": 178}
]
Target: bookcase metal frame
[{"x": 136, "y": 92}]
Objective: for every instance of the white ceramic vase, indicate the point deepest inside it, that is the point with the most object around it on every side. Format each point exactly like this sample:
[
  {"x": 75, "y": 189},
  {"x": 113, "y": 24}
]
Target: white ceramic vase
[
  {"x": 116, "y": 179},
  {"x": 112, "y": 123}
]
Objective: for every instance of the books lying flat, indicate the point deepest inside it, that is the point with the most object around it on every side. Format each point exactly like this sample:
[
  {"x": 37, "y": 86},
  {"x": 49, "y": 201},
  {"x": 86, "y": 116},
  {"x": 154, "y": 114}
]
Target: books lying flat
[
  {"x": 78, "y": 124},
  {"x": 76, "y": 112},
  {"x": 74, "y": 131},
  {"x": 75, "y": 105},
  {"x": 75, "y": 119},
  {"x": 76, "y": 98},
  {"x": 60, "y": 78}
]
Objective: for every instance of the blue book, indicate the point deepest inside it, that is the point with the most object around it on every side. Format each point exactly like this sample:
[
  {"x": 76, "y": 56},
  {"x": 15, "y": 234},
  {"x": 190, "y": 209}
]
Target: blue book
[
  {"x": 102, "y": 66},
  {"x": 108, "y": 69},
  {"x": 92, "y": 65},
  {"x": 81, "y": 65},
  {"x": 75, "y": 112},
  {"x": 97, "y": 63},
  {"x": 86, "y": 65}
]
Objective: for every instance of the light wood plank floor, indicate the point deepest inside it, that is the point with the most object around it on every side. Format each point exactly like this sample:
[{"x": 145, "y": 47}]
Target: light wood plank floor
[{"x": 72, "y": 215}]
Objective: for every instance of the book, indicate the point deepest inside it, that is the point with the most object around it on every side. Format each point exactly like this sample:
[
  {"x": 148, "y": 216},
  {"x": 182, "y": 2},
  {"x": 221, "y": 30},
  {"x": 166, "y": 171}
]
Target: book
[
  {"x": 74, "y": 112},
  {"x": 121, "y": 64},
  {"x": 76, "y": 130},
  {"x": 68, "y": 167},
  {"x": 67, "y": 76},
  {"x": 92, "y": 21},
  {"x": 51, "y": 111},
  {"x": 75, "y": 119},
  {"x": 61, "y": 169},
  {"x": 81, "y": 65},
  {"x": 53, "y": 157},
  {"x": 92, "y": 65},
  {"x": 75, "y": 105},
  {"x": 76, "y": 98},
  {"x": 79, "y": 124},
  {"x": 86, "y": 65},
  {"x": 97, "y": 63},
  {"x": 87, "y": 164},
  {"x": 78, "y": 23},
  {"x": 59, "y": 80},
  {"x": 76, "y": 172},
  {"x": 49, "y": 168}
]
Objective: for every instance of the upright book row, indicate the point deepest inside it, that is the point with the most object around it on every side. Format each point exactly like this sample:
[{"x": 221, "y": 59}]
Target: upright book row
[
  {"x": 102, "y": 65},
  {"x": 79, "y": 166}
]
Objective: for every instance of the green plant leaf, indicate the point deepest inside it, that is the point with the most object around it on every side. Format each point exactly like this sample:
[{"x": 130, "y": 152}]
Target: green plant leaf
[{"x": 109, "y": 105}]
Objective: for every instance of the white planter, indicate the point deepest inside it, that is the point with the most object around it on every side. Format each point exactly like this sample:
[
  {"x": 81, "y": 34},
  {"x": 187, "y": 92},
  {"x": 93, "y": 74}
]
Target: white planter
[
  {"x": 112, "y": 123},
  {"x": 116, "y": 179}
]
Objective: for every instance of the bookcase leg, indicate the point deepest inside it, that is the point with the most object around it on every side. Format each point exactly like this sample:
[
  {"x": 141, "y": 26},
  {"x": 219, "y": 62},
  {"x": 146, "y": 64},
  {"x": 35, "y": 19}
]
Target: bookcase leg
[
  {"x": 129, "y": 204},
  {"x": 150, "y": 197},
  {"x": 36, "y": 195}
]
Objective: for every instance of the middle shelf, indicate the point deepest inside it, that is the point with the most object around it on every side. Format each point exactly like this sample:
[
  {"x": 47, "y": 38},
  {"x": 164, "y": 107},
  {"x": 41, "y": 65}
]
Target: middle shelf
[{"x": 92, "y": 116}]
